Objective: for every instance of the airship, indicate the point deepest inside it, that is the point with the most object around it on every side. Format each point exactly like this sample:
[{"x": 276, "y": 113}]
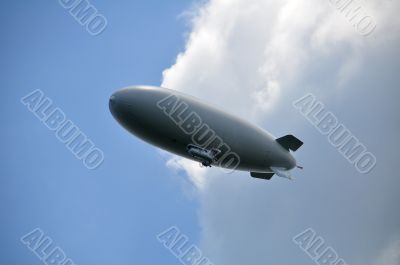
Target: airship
[{"x": 190, "y": 128}]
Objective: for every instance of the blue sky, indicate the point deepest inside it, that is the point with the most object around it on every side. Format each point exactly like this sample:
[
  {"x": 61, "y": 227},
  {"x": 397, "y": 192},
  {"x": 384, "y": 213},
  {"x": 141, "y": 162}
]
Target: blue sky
[
  {"x": 106, "y": 216},
  {"x": 252, "y": 58}
]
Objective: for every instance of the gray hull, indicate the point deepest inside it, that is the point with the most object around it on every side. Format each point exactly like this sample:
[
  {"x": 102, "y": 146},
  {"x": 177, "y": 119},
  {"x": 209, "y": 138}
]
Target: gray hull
[{"x": 149, "y": 113}]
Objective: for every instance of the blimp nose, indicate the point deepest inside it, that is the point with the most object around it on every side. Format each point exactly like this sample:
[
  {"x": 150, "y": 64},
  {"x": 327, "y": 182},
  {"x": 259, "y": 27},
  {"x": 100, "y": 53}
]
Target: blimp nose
[
  {"x": 117, "y": 105},
  {"x": 113, "y": 103}
]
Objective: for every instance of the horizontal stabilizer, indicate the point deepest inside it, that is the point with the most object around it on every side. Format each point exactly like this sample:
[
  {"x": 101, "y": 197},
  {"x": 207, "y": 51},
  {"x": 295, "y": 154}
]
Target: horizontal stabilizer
[
  {"x": 289, "y": 142},
  {"x": 261, "y": 175}
]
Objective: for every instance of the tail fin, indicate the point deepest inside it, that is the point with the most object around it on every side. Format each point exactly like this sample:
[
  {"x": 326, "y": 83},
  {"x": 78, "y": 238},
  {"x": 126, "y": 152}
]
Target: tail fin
[{"x": 289, "y": 142}]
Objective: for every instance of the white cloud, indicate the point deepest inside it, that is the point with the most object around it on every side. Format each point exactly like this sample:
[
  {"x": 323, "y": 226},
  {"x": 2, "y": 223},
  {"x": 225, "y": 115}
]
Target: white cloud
[
  {"x": 251, "y": 57},
  {"x": 194, "y": 170}
]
